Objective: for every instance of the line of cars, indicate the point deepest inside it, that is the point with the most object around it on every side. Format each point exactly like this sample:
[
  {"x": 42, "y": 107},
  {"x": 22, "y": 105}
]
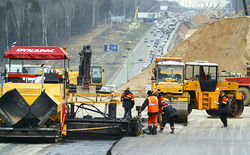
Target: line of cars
[{"x": 161, "y": 31}]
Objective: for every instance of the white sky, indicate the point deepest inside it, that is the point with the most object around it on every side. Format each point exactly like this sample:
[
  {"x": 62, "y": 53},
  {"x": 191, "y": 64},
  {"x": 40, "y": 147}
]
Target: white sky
[{"x": 201, "y": 3}]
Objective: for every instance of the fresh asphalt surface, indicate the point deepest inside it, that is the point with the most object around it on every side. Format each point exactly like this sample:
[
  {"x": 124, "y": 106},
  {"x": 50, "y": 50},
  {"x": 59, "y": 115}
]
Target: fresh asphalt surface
[{"x": 202, "y": 135}]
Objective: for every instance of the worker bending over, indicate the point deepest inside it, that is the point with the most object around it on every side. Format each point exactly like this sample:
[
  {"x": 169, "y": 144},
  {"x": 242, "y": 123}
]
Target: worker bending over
[
  {"x": 169, "y": 114},
  {"x": 153, "y": 110}
]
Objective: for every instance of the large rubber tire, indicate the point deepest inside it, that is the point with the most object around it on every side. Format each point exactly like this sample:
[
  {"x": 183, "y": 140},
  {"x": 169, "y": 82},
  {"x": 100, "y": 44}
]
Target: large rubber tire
[
  {"x": 190, "y": 107},
  {"x": 236, "y": 107},
  {"x": 213, "y": 112},
  {"x": 246, "y": 95},
  {"x": 135, "y": 127}
]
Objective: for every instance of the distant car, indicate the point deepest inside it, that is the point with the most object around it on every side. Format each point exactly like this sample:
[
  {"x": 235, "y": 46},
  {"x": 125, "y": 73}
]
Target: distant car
[
  {"x": 140, "y": 59},
  {"x": 105, "y": 89},
  {"x": 143, "y": 69}
]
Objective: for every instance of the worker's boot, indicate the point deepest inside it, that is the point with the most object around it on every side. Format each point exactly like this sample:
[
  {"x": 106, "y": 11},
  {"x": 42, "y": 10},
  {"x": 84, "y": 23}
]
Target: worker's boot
[
  {"x": 150, "y": 130},
  {"x": 172, "y": 131},
  {"x": 154, "y": 130},
  {"x": 161, "y": 130}
]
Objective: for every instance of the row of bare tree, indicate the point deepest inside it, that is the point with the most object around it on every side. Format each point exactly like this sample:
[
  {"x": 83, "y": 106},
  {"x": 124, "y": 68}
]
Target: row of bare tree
[{"x": 50, "y": 22}]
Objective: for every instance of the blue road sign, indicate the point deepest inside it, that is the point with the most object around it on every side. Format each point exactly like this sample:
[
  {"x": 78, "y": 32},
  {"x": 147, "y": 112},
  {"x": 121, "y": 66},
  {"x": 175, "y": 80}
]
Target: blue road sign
[
  {"x": 111, "y": 48},
  {"x": 106, "y": 48}
]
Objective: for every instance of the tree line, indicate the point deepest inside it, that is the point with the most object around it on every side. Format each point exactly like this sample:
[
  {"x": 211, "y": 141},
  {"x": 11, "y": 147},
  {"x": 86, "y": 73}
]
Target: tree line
[{"x": 50, "y": 22}]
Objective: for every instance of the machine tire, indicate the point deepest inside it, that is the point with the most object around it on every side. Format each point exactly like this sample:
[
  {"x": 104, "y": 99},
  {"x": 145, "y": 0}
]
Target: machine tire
[
  {"x": 213, "y": 112},
  {"x": 236, "y": 107},
  {"x": 190, "y": 107},
  {"x": 135, "y": 126},
  {"x": 246, "y": 95}
]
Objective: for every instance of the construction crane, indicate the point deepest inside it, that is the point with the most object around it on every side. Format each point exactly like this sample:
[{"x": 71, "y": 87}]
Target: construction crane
[
  {"x": 134, "y": 23},
  {"x": 111, "y": 14},
  {"x": 136, "y": 12},
  {"x": 221, "y": 12},
  {"x": 218, "y": 11}
]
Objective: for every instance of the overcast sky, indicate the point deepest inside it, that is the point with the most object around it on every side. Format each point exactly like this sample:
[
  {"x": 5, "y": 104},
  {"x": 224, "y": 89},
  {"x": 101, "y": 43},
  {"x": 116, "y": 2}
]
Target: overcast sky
[{"x": 201, "y": 3}]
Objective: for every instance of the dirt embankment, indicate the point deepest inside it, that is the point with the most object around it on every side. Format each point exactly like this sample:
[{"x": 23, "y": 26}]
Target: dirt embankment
[
  {"x": 180, "y": 35},
  {"x": 200, "y": 20},
  {"x": 225, "y": 42}
]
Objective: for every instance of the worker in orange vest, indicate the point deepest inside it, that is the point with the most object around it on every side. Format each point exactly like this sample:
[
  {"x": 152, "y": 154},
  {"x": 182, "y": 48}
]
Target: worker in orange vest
[
  {"x": 153, "y": 110},
  {"x": 128, "y": 103},
  {"x": 169, "y": 114},
  {"x": 161, "y": 99},
  {"x": 158, "y": 95}
]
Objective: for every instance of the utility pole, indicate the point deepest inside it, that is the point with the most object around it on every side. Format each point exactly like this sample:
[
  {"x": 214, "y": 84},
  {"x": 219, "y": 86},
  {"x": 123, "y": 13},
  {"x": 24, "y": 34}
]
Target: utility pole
[
  {"x": 245, "y": 7},
  {"x": 128, "y": 61}
]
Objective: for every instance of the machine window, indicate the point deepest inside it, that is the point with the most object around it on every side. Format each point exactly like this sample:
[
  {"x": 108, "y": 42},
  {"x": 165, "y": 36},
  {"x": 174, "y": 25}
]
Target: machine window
[
  {"x": 166, "y": 72},
  {"x": 96, "y": 74}
]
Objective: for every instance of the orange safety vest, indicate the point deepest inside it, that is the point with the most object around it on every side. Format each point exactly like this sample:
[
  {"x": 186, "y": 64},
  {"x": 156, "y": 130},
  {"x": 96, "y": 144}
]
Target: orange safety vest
[
  {"x": 161, "y": 98},
  {"x": 224, "y": 100},
  {"x": 153, "y": 105}
]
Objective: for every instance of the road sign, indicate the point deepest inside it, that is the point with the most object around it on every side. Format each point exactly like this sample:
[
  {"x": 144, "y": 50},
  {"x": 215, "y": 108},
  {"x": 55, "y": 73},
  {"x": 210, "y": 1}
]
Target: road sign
[
  {"x": 111, "y": 48},
  {"x": 117, "y": 19},
  {"x": 106, "y": 48}
]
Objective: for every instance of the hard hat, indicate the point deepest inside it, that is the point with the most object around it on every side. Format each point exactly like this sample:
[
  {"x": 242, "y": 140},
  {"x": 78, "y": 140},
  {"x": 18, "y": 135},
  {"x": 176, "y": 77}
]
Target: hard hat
[
  {"x": 149, "y": 92},
  {"x": 222, "y": 93}
]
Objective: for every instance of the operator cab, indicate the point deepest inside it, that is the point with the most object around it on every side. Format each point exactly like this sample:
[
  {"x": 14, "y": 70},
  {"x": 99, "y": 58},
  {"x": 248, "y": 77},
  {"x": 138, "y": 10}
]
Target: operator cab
[
  {"x": 206, "y": 73},
  {"x": 97, "y": 76},
  {"x": 170, "y": 71},
  {"x": 31, "y": 74}
]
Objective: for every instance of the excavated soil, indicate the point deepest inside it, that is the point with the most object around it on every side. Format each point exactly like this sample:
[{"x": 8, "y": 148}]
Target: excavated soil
[
  {"x": 200, "y": 20},
  {"x": 225, "y": 42}
]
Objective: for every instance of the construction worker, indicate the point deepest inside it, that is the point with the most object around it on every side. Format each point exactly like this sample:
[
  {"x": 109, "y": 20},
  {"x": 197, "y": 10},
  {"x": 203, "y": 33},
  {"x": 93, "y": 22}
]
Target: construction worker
[
  {"x": 169, "y": 114},
  {"x": 128, "y": 103},
  {"x": 153, "y": 110},
  {"x": 158, "y": 95},
  {"x": 203, "y": 74},
  {"x": 223, "y": 108},
  {"x": 161, "y": 99}
]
